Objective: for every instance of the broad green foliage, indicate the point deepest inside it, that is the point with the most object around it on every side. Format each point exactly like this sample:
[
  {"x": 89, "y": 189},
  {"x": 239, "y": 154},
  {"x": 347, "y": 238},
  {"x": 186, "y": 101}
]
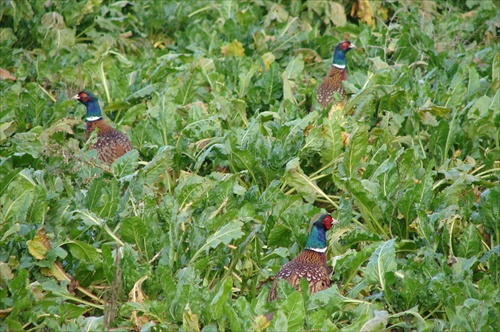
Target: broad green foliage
[{"x": 233, "y": 156}]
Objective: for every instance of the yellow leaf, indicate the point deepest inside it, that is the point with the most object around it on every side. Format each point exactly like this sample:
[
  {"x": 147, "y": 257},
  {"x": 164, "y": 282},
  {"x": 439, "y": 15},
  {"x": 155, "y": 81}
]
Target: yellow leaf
[
  {"x": 260, "y": 323},
  {"x": 363, "y": 10},
  {"x": 40, "y": 244},
  {"x": 190, "y": 320},
  {"x": 55, "y": 270},
  {"x": 268, "y": 58},
  {"x": 36, "y": 249},
  {"x": 336, "y": 107},
  {"x": 233, "y": 49},
  {"x": 5, "y": 271},
  {"x": 91, "y": 6}
]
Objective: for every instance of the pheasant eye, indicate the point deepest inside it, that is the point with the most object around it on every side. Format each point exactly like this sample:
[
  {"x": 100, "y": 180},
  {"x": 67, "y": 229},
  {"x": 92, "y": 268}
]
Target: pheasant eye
[{"x": 84, "y": 96}]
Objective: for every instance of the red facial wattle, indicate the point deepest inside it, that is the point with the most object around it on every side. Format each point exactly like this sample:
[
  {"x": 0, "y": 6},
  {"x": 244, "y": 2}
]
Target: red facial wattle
[
  {"x": 84, "y": 96},
  {"x": 327, "y": 221}
]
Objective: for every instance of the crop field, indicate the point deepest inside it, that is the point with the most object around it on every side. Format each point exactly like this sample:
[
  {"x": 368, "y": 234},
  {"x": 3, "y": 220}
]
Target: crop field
[{"x": 233, "y": 155}]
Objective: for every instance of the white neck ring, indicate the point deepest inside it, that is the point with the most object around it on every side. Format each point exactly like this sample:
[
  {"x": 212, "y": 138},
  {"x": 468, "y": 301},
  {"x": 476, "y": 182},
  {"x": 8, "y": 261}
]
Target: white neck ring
[
  {"x": 93, "y": 118},
  {"x": 320, "y": 250}
]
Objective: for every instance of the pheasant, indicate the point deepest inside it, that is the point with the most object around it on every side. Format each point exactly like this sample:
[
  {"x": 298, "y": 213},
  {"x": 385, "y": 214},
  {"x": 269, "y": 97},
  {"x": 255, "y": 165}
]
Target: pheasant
[
  {"x": 333, "y": 81},
  {"x": 311, "y": 263},
  {"x": 111, "y": 144}
]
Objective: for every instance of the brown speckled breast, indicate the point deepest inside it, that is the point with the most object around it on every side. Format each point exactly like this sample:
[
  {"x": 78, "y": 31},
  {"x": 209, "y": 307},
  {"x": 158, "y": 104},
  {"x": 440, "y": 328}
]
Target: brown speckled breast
[
  {"x": 331, "y": 83},
  {"x": 111, "y": 144},
  {"x": 310, "y": 265}
]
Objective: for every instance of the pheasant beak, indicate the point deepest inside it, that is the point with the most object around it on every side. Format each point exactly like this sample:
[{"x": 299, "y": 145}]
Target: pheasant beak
[
  {"x": 76, "y": 97},
  {"x": 352, "y": 47}
]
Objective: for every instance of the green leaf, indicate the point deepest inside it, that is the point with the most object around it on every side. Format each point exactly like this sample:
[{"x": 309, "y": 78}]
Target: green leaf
[
  {"x": 270, "y": 84},
  {"x": 291, "y": 315},
  {"x": 473, "y": 315},
  {"x": 278, "y": 232},
  {"x": 226, "y": 234},
  {"x": 367, "y": 204},
  {"x": 89, "y": 218},
  {"x": 82, "y": 251},
  {"x": 233, "y": 317},
  {"x": 489, "y": 209},
  {"x": 133, "y": 230},
  {"x": 332, "y": 143},
  {"x": 20, "y": 196},
  {"x": 296, "y": 178},
  {"x": 291, "y": 73},
  {"x": 495, "y": 82},
  {"x": 355, "y": 151},
  {"x": 382, "y": 262},
  {"x": 294, "y": 68},
  {"x": 218, "y": 302},
  {"x": 22, "y": 9},
  {"x": 94, "y": 194},
  {"x": 470, "y": 242},
  {"x": 245, "y": 78},
  {"x": 126, "y": 164},
  {"x": 377, "y": 323}
]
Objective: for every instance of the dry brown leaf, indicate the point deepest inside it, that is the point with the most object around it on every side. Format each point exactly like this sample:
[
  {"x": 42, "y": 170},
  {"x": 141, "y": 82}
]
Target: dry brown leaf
[
  {"x": 5, "y": 312},
  {"x": 6, "y": 75},
  {"x": 470, "y": 14},
  {"x": 345, "y": 139},
  {"x": 136, "y": 295}
]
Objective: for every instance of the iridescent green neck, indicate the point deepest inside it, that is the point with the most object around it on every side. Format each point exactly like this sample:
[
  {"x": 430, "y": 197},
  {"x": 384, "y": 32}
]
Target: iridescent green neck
[
  {"x": 339, "y": 59},
  {"x": 93, "y": 110},
  {"x": 317, "y": 238}
]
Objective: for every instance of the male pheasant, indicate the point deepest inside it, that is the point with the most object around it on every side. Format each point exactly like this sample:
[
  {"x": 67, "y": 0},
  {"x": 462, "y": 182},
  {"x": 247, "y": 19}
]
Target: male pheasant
[
  {"x": 333, "y": 81},
  {"x": 111, "y": 144},
  {"x": 311, "y": 263}
]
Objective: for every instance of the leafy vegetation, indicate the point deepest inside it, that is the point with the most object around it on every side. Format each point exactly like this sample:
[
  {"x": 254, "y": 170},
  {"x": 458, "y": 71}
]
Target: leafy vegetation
[{"x": 233, "y": 156}]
